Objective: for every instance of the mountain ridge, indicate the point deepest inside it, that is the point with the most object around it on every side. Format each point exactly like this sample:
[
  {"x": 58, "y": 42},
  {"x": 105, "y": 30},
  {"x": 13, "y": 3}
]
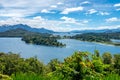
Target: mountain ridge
[
  {"x": 96, "y": 31},
  {"x": 4, "y": 28}
]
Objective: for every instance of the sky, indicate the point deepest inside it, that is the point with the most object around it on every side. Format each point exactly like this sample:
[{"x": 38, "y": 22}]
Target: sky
[{"x": 61, "y": 15}]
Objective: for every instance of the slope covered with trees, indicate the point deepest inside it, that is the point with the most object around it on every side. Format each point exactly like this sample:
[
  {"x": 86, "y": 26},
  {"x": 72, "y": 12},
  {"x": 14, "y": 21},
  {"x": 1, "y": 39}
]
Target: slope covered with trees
[
  {"x": 99, "y": 37},
  {"x": 33, "y": 37},
  {"x": 79, "y": 66},
  {"x": 19, "y": 32}
]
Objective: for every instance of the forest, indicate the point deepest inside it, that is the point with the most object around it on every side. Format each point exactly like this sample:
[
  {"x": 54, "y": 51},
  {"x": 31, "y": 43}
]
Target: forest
[
  {"x": 33, "y": 37},
  {"x": 43, "y": 40},
  {"x": 79, "y": 66},
  {"x": 98, "y": 37}
]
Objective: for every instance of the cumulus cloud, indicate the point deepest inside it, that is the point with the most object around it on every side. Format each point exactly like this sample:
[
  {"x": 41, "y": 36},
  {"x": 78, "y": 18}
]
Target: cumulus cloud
[
  {"x": 53, "y": 6},
  {"x": 59, "y": 3},
  {"x": 60, "y": 26},
  {"x": 69, "y": 10},
  {"x": 74, "y": 21},
  {"x": 23, "y": 8},
  {"x": 103, "y": 13},
  {"x": 91, "y": 11},
  {"x": 85, "y": 2},
  {"x": 85, "y": 21},
  {"x": 117, "y": 5},
  {"x": 113, "y": 19},
  {"x": 24, "y": 11},
  {"x": 68, "y": 20},
  {"x": 46, "y": 11},
  {"x": 65, "y": 24},
  {"x": 39, "y": 22}
]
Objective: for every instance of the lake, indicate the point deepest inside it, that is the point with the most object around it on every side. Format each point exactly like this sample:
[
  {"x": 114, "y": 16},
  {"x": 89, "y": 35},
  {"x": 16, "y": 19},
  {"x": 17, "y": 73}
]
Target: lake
[{"x": 46, "y": 53}]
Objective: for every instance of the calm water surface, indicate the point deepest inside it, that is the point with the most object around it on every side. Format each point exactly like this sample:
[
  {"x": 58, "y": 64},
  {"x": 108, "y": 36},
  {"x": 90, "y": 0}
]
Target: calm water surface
[{"x": 45, "y": 53}]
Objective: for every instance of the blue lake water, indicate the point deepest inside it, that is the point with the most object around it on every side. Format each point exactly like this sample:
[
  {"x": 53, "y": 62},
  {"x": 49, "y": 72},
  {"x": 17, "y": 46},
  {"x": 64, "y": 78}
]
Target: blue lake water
[{"x": 46, "y": 53}]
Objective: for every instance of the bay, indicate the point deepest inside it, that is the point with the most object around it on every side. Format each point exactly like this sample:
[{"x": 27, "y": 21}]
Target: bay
[{"x": 46, "y": 53}]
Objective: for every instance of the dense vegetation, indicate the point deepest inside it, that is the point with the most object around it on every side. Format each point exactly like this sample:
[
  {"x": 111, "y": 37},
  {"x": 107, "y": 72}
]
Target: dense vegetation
[
  {"x": 79, "y": 66},
  {"x": 16, "y": 33},
  {"x": 42, "y": 40},
  {"x": 33, "y": 37},
  {"x": 98, "y": 37}
]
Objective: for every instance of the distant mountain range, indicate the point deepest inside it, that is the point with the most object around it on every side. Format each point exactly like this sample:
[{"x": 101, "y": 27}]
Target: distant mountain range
[
  {"x": 4, "y": 28},
  {"x": 20, "y": 33},
  {"x": 96, "y": 31}
]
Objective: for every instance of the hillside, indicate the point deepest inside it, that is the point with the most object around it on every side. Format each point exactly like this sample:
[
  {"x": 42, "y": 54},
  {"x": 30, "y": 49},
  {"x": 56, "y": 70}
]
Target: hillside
[
  {"x": 96, "y": 31},
  {"x": 4, "y": 28},
  {"x": 99, "y": 37},
  {"x": 16, "y": 33}
]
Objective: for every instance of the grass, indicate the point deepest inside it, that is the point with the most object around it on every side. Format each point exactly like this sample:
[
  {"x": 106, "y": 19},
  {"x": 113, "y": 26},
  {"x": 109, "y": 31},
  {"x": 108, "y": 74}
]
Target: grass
[
  {"x": 28, "y": 76},
  {"x": 31, "y": 76},
  {"x": 112, "y": 77}
]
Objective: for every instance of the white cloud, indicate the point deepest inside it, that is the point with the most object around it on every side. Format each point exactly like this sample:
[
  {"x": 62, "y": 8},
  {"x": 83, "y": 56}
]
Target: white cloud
[
  {"x": 113, "y": 19},
  {"x": 117, "y": 5},
  {"x": 68, "y": 20},
  {"x": 23, "y": 8},
  {"x": 11, "y": 15},
  {"x": 74, "y": 21},
  {"x": 60, "y": 26},
  {"x": 59, "y": 3},
  {"x": 46, "y": 11},
  {"x": 15, "y": 12},
  {"x": 38, "y": 22},
  {"x": 68, "y": 10},
  {"x": 53, "y": 6},
  {"x": 85, "y": 21},
  {"x": 85, "y": 2},
  {"x": 38, "y": 18},
  {"x": 91, "y": 11},
  {"x": 104, "y": 13}
]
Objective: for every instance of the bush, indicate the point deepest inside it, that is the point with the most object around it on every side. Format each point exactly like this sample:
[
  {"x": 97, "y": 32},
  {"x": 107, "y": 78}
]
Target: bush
[{"x": 5, "y": 77}]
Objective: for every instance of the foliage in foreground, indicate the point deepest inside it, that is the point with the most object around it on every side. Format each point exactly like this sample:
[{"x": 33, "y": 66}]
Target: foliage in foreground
[
  {"x": 79, "y": 66},
  {"x": 5, "y": 77}
]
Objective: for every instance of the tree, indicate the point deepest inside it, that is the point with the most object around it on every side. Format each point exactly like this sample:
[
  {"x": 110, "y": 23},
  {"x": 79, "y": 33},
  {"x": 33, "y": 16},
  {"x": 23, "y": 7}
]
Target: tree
[
  {"x": 96, "y": 52},
  {"x": 52, "y": 64},
  {"x": 117, "y": 62},
  {"x": 107, "y": 58}
]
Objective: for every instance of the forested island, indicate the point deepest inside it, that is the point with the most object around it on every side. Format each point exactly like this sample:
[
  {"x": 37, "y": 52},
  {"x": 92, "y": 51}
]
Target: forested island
[
  {"x": 42, "y": 40},
  {"x": 79, "y": 66},
  {"x": 33, "y": 37},
  {"x": 99, "y": 37}
]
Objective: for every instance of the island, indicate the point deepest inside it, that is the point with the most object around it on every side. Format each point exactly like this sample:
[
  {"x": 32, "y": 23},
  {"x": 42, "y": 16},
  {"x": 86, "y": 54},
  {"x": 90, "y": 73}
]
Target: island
[
  {"x": 34, "y": 37},
  {"x": 42, "y": 40}
]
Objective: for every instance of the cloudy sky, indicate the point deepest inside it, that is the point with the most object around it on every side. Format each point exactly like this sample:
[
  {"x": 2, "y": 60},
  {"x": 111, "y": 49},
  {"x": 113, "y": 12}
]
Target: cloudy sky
[{"x": 61, "y": 15}]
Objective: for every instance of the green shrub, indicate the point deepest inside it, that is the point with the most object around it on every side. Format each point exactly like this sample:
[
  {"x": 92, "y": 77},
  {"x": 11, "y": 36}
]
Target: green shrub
[{"x": 5, "y": 77}]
